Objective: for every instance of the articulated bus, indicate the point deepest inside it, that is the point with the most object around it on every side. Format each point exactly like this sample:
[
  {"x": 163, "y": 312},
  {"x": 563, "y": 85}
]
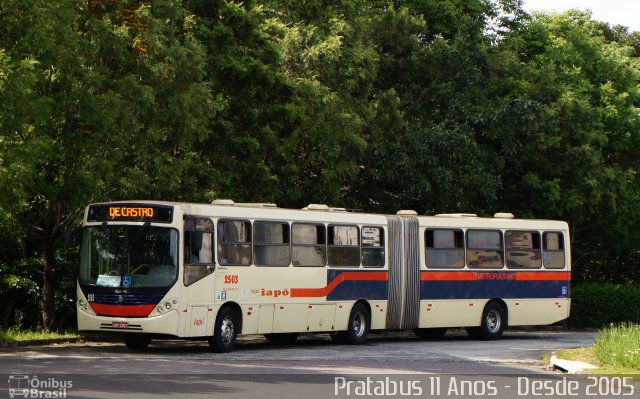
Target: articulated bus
[{"x": 215, "y": 271}]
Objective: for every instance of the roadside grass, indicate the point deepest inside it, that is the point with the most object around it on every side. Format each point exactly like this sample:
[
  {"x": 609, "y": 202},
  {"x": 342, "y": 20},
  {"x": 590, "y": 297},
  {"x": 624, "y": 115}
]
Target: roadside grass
[
  {"x": 618, "y": 346},
  {"x": 616, "y": 350},
  {"x": 16, "y": 335}
]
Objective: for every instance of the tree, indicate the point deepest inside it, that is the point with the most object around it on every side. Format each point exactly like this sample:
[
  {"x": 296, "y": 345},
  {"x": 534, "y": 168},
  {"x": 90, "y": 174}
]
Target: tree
[
  {"x": 85, "y": 114},
  {"x": 566, "y": 122}
]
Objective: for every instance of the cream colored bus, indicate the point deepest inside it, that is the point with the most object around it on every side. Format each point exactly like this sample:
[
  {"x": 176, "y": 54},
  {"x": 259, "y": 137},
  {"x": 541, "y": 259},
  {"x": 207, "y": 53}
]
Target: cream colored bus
[{"x": 214, "y": 271}]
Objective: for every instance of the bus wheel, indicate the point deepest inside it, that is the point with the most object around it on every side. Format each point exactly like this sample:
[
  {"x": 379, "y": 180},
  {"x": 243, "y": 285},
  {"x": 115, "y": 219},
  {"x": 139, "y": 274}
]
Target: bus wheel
[
  {"x": 224, "y": 333},
  {"x": 430, "y": 333},
  {"x": 137, "y": 342},
  {"x": 494, "y": 321},
  {"x": 282, "y": 338},
  {"x": 358, "y": 327}
]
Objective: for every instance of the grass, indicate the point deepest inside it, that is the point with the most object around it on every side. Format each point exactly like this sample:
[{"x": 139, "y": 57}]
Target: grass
[
  {"x": 619, "y": 346},
  {"x": 616, "y": 350},
  {"x": 16, "y": 335}
]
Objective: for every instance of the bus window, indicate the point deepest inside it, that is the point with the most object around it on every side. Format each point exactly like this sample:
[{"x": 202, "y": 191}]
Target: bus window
[
  {"x": 444, "y": 248},
  {"x": 553, "y": 250},
  {"x": 234, "y": 242},
  {"x": 344, "y": 246},
  {"x": 372, "y": 246},
  {"x": 308, "y": 244},
  {"x": 271, "y": 244},
  {"x": 523, "y": 249},
  {"x": 198, "y": 249},
  {"x": 484, "y": 249}
]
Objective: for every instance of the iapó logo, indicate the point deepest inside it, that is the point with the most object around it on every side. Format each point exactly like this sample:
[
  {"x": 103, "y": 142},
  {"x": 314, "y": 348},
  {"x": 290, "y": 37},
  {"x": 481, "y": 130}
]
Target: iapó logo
[{"x": 23, "y": 386}]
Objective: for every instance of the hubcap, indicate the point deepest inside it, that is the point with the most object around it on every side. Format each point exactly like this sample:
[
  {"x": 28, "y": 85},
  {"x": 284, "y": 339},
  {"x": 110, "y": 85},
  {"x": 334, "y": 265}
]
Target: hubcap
[
  {"x": 493, "y": 321},
  {"x": 358, "y": 324},
  {"x": 226, "y": 330}
]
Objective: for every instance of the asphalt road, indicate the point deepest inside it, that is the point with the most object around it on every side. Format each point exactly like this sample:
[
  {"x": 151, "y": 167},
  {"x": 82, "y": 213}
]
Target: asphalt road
[{"x": 389, "y": 365}]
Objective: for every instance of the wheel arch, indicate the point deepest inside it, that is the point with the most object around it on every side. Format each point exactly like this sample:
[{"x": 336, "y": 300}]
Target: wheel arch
[
  {"x": 366, "y": 305},
  {"x": 504, "y": 305}
]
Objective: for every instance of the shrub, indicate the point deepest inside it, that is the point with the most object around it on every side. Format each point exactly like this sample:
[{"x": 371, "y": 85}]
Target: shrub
[{"x": 598, "y": 305}]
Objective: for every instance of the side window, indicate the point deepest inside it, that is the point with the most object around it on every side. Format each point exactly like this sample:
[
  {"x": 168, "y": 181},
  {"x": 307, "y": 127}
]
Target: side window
[
  {"x": 271, "y": 244},
  {"x": 484, "y": 249},
  {"x": 553, "y": 250},
  {"x": 523, "y": 250},
  {"x": 308, "y": 244},
  {"x": 344, "y": 246},
  {"x": 372, "y": 246},
  {"x": 198, "y": 249},
  {"x": 234, "y": 242},
  {"x": 444, "y": 248}
]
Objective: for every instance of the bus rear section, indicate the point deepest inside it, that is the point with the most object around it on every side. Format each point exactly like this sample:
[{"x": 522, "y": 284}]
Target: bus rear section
[{"x": 486, "y": 274}]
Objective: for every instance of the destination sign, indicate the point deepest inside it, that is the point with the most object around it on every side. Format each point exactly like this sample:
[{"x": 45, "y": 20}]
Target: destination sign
[{"x": 130, "y": 212}]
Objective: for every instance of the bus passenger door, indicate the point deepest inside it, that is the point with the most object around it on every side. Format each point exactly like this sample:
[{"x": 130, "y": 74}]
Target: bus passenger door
[{"x": 199, "y": 266}]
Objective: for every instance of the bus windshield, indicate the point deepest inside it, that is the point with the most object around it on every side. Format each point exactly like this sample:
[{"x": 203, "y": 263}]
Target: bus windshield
[{"x": 129, "y": 256}]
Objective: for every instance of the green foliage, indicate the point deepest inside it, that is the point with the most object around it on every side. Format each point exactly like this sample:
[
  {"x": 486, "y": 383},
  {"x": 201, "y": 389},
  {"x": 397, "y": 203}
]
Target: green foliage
[
  {"x": 598, "y": 305},
  {"x": 20, "y": 293}
]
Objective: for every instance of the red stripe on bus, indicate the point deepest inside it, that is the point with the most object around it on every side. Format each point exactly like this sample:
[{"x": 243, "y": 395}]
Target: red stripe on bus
[
  {"x": 346, "y": 276},
  {"x": 546, "y": 276},
  {"x": 122, "y": 310},
  {"x": 449, "y": 276},
  {"x": 472, "y": 276}
]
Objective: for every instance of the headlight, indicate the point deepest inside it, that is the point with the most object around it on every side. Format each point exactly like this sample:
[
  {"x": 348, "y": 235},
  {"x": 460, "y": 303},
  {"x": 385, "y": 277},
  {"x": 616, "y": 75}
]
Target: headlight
[{"x": 160, "y": 309}]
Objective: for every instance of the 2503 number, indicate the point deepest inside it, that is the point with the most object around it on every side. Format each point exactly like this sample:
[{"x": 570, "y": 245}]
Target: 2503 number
[{"x": 231, "y": 279}]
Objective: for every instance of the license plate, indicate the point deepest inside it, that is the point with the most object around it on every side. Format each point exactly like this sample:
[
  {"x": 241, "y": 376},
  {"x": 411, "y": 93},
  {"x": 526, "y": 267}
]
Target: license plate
[{"x": 119, "y": 324}]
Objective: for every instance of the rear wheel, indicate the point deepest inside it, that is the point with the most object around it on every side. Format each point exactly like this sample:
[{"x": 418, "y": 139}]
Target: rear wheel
[
  {"x": 358, "y": 327},
  {"x": 430, "y": 333},
  {"x": 493, "y": 323},
  {"x": 225, "y": 331},
  {"x": 137, "y": 342}
]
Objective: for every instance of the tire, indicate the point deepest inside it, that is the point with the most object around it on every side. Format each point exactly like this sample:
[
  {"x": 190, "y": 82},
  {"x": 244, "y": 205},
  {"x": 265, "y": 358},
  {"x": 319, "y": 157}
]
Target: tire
[
  {"x": 430, "y": 333},
  {"x": 225, "y": 331},
  {"x": 357, "y": 328},
  {"x": 282, "y": 338},
  {"x": 136, "y": 342},
  {"x": 493, "y": 323}
]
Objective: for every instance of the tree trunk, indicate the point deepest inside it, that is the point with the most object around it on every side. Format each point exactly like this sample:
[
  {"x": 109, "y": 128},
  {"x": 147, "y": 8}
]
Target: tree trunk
[{"x": 49, "y": 284}]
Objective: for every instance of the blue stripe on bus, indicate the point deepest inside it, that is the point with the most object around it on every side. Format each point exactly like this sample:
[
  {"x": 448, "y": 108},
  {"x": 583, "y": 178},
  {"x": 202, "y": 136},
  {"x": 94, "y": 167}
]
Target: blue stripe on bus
[
  {"x": 373, "y": 284},
  {"x": 358, "y": 287},
  {"x": 495, "y": 289}
]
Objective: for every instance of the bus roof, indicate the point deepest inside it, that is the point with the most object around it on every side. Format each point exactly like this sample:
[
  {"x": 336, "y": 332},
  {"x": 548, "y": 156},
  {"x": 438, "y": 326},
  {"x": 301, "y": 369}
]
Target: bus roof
[{"x": 324, "y": 213}]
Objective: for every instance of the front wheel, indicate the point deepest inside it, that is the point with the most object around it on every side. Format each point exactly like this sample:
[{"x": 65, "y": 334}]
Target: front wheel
[
  {"x": 358, "y": 327},
  {"x": 225, "y": 332},
  {"x": 137, "y": 342}
]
